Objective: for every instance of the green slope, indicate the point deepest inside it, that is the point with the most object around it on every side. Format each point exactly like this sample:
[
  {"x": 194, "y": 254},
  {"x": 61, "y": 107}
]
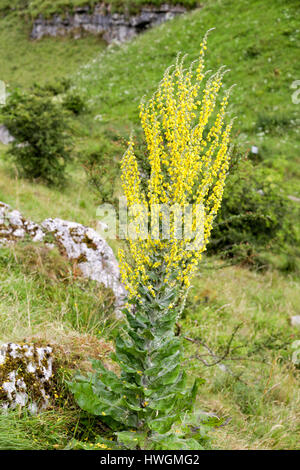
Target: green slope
[
  {"x": 257, "y": 40},
  {"x": 40, "y": 296},
  {"x": 23, "y": 62}
]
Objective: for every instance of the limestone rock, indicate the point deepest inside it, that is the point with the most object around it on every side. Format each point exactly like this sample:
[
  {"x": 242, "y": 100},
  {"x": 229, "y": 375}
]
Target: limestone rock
[
  {"x": 293, "y": 198},
  {"x": 5, "y": 137},
  {"x": 14, "y": 227},
  {"x": 295, "y": 320},
  {"x": 112, "y": 26},
  {"x": 25, "y": 376},
  {"x": 94, "y": 256},
  {"x": 85, "y": 246}
]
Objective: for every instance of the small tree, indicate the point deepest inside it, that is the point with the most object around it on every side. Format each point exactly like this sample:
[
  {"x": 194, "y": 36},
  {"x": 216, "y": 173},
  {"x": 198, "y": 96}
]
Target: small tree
[
  {"x": 41, "y": 147},
  {"x": 188, "y": 155}
]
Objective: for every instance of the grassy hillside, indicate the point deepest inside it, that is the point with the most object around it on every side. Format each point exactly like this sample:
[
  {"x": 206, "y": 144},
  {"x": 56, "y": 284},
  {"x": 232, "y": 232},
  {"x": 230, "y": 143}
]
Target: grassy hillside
[
  {"x": 24, "y": 62},
  {"x": 256, "y": 40},
  {"x": 42, "y": 299}
]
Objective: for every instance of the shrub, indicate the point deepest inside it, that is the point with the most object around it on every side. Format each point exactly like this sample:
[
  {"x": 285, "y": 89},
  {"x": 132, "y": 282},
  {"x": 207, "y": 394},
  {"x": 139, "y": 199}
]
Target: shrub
[
  {"x": 255, "y": 215},
  {"x": 102, "y": 171},
  {"x": 41, "y": 147},
  {"x": 278, "y": 123},
  {"x": 74, "y": 102},
  {"x": 149, "y": 403},
  {"x": 57, "y": 87},
  {"x": 61, "y": 90}
]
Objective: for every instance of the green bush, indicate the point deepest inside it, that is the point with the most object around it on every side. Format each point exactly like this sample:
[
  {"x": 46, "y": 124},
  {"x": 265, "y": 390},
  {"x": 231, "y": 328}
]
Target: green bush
[
  {"x": 74, "y": 102},
  {"x": 56, "y": 87},
  {"x": 255, "y": 215},
  {"x": 61, "y": 91},
  {"x": 277, "y": 123},
  {"x": 102, "y": 170},
  {"x": 41, "y": 147}
]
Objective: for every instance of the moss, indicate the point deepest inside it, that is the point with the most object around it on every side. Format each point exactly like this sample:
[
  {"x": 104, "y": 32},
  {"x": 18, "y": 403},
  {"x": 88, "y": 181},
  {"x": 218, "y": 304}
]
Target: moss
[
  {"x": 8, "y": 227},
  {"x": 82, "y": 259},
  {"x": 4, "y": 232},
  {"x": 89, "y": 243},
  {"x": 35, "y": 383}
]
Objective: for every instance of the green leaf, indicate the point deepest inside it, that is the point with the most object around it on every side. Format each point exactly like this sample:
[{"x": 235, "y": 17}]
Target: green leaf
[
  {"x": 166, "y": 377},
  {"x": 172, "y": 442},
  {"x": 132, "y": 439},
  {"x": 165, "y": 366},
  {"x": 163, "y": 424}
]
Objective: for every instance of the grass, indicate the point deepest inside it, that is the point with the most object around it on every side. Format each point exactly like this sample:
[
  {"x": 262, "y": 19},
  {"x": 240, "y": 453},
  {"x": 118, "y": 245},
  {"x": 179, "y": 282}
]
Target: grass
[
  {"x": 43, "y": 432},
  {"x": 260, "y": 393},
  {"x": 24, "y": 62},
  {"x": 38, "y": 201},
  {"x": 43, "y": 299},
  {"x": 258, "y": 44},
  {"x": 48, "y": 8},
  {"x": 43, "y": 289}
]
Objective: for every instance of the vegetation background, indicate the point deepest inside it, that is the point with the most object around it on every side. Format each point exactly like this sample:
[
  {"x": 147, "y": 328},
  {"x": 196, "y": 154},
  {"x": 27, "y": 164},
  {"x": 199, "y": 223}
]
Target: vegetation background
[{"x": 250, "y": 278}]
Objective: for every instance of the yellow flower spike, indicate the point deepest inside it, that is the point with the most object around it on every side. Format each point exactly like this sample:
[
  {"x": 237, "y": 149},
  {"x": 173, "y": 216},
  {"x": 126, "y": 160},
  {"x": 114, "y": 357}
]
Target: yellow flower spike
[{"x": 188, "y": 165}]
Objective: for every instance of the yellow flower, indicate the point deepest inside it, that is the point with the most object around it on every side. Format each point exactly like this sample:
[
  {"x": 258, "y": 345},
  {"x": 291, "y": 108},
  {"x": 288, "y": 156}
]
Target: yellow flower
[{"x": 188, "y": 155}]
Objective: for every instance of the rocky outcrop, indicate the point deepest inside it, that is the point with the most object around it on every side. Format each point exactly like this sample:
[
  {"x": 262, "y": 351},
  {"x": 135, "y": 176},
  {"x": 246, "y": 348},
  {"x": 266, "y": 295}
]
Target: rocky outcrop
[
  {"x": 5, "y": 137},
  {"x": 80, "y": 244},
  {"x": 295, "y": 321},
  {"x": 25, "y": 376},
  {"x": 14, "y": 227},
  {"x": 91, "y": 252},
  {"x": 100, "y": 21}
]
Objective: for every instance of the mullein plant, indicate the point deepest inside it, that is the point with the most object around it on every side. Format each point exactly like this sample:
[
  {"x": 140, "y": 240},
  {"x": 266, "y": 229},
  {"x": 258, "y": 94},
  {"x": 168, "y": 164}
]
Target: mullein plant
[{"x": 149, "y": 403}]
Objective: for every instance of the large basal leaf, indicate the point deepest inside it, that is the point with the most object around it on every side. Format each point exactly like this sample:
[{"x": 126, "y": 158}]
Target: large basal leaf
[
  {"x": 165, "y": 404},
  {"x": 166, "y": 377},
  {"x": 163, "y": 424},
  {"x": 132, "y": 439},
  {"x": 160, "y": 367},
  {"x": 98, "y": 405},
  {"x": 172, "y": 442}
]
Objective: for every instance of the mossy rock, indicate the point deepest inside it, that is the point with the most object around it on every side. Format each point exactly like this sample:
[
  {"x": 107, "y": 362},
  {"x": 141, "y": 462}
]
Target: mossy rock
[
  {"x": 83, "y": 246},
  {"x": 25, "y": 376}
]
